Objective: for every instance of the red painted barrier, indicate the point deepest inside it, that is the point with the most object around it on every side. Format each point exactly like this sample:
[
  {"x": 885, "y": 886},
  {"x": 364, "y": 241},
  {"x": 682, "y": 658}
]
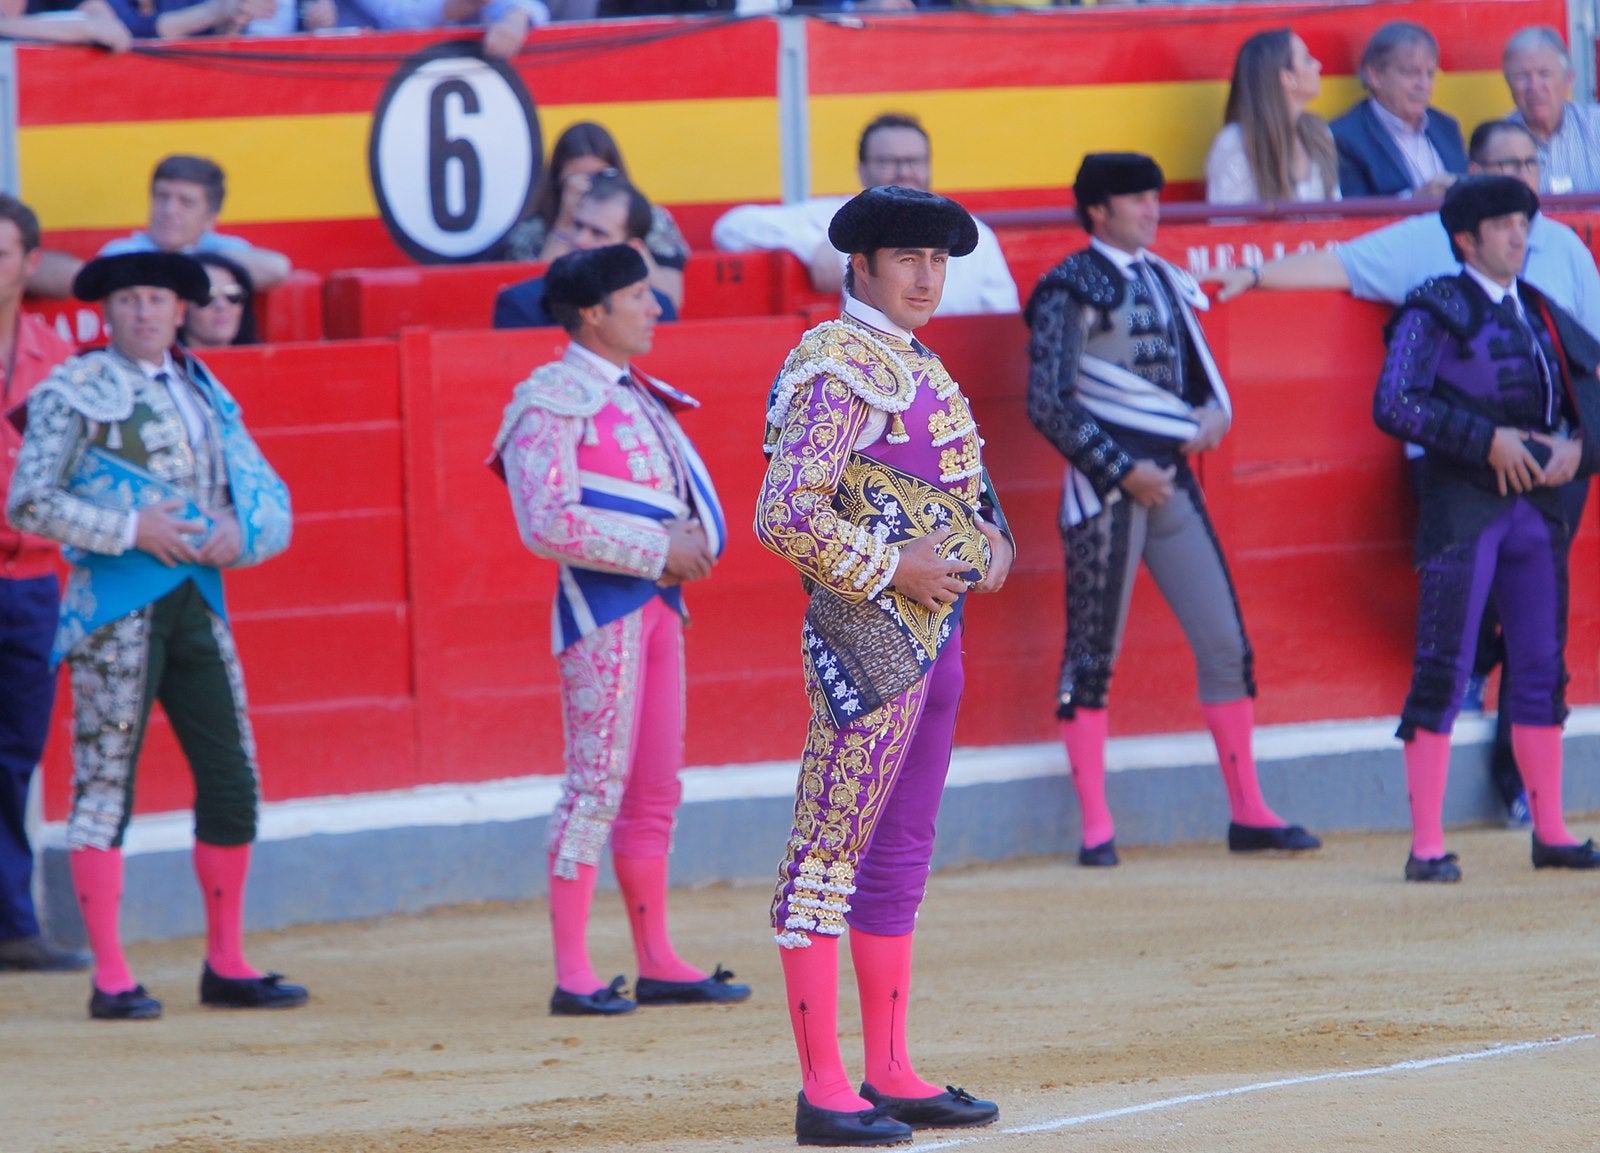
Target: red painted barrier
[
  {"x": 403, "y": 639},
  {"x": 716, "y": 285}
]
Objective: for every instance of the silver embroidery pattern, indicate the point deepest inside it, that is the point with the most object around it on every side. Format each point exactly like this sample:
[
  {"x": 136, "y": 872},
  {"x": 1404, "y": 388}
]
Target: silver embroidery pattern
[
  {"x": 599, "y": 685},
  {"x": 108, "y": 697},
  {"x": 542, "y": 473},
  {"x": 229, "y": 654}
]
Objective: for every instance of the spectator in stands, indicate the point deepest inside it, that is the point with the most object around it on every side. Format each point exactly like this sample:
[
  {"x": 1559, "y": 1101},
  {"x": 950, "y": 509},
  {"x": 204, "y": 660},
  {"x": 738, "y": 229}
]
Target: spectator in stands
[
  {"x": 1270, "y": 146},
  {"x": 185, "y": 197},
  {"x": 582, "y": 151},
  {"x": 1393, "y": 143},
  {"x": 1539, "y": 73},
  {"x": 166, "y": 19},
  {"x": 506, "y": 23},
  {"x": 30, "y": 597},
  {"x": 894, "y": 149},
  {"x": 228, "y": 314},
  {"x": 93, "y": 22},
  {"x": 1387, "y": 264},
  {"x": 612, "y": 211}
]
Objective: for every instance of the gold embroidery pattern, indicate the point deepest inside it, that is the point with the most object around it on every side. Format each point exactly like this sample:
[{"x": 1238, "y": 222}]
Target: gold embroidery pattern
[
  {"x": 845, "y": 777},
  {"x": 894, "y": 507},
  {"x": 599, "y": 683},
  {"x": 795, "y": 516}
]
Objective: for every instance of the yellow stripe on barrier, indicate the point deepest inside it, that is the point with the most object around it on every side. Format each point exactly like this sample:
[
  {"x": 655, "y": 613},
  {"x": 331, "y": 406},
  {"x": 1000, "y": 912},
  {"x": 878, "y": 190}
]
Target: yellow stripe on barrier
[
  {"x": 294, "y": 168},
  {"x": 1034, "y": 137}
]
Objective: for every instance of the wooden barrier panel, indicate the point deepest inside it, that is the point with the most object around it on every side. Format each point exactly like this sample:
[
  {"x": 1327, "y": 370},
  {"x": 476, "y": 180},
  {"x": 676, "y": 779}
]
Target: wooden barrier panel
[{"x": 366, "y": 302}]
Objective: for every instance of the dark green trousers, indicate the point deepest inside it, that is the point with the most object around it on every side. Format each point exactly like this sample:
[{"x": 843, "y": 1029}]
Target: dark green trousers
[{"x": 176, "y": 651}]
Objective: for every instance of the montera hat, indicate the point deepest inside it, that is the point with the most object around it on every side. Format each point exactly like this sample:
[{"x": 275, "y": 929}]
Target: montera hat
[
  {"x": 1473, "y": 199},
  {"x": 1103, "y": 175},
  {"x": 172, "y": 270},
  {"x": 890, "y": 216},
  {"x": 584, "y": 278}
]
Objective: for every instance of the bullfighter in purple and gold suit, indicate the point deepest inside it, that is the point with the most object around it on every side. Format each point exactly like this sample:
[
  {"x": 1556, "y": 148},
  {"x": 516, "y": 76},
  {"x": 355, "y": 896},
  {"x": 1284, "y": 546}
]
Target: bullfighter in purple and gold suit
[
  {"x": 1497, "y": 384},
  {"x": 876, "y": 493}
]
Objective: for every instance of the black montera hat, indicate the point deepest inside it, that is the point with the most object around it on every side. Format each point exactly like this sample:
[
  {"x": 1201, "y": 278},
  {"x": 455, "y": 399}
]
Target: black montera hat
[
  {"x": 584, "y": 278},
  {"x": 1473, "y": 199},
  {"x": 1103, "y": 175},
  {"x": 890, "y": 216},
  {"x": 106, "y": 274}
]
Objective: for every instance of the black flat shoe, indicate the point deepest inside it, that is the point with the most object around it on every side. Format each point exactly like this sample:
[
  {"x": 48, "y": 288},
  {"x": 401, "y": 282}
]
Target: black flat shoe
[
  {"x": 129, "y": 1005},
  {"x": 1101, "y": 856},
  {"x": 607, "y": 1002},
  {"x": 1584, "y": 856},
  {"x": 1441, "y": 870},
  {"x": 267, "y": 992},
  {"x": 952, "y": 1109},
  {"x": 1269, "y": 838},
  {"x": 716, "y": 989},
  {"x": 813, "y": 1126}
]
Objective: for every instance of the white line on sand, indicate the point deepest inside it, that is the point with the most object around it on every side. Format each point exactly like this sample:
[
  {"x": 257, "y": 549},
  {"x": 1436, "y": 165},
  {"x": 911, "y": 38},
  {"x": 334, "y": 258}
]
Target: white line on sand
[{"x": 1260, "y": 1086}]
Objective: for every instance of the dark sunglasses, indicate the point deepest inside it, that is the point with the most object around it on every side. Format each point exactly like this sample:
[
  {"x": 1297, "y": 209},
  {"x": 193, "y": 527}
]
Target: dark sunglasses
[{"x": 233, "y": 295}]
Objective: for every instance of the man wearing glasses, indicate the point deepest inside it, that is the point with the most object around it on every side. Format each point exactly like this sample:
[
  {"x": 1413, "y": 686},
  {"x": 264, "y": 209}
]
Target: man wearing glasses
[
  {"x": 1387, "y": 264},
  {"x": 894, "y": 150}
]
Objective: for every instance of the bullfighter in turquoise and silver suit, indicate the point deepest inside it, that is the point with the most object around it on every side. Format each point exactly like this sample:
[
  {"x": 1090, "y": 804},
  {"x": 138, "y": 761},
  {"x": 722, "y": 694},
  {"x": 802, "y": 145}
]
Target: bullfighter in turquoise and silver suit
[
  {"x": 137, "y": 460},
  {"x": 105, "y": 439}
]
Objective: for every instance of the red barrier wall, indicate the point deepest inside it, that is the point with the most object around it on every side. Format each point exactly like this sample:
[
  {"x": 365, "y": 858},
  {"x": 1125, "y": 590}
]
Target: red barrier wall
[
  {"x": 716, "y": 285},
  {"x": 404, "y": 637}
]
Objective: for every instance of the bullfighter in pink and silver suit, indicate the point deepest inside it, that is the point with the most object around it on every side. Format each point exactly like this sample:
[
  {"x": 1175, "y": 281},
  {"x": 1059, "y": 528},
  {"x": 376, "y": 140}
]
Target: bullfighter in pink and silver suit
[
  {"x": 876, "y": 493},
  {"x": 604, "y": 482}
]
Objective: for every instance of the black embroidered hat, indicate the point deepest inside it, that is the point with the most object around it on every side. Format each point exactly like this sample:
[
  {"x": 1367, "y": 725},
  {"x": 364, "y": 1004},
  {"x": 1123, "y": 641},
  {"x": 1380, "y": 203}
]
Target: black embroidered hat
[
  {"x": 1473, "y": 199},
  {"x": 1103, "y": 175},
  {"x": 173, "y": 270},
  {"x": 890, "y": 216},
  {"x": 583, "y": 279}
]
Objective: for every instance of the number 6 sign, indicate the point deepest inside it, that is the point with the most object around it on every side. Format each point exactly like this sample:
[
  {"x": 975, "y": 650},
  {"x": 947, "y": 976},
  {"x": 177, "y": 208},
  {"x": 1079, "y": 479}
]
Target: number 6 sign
[{"x": 454, "y": 154}]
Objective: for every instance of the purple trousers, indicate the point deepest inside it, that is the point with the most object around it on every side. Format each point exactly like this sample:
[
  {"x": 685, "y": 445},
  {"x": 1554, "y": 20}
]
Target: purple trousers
[
  {"x": 1521, "y": 560},
  {"x": 866, "y": 805}
]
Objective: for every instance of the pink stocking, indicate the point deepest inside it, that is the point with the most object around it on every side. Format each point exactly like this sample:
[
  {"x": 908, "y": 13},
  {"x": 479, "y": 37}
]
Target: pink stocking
[
  {"x": 643, "y": 881},
  {"x": 1538, "y": 753},
  {"x": 1232, "y": 725},
  {"x": 97, "y": 877},
  {"x": 1427, "y": 769},
  {"x": 883, "y": 980},
  {"x": 1084, "y": 735},
  {"x": 569, "y": 926},
  {"x": 221, "y": 870},
  {"x": 811, "y": 984}
]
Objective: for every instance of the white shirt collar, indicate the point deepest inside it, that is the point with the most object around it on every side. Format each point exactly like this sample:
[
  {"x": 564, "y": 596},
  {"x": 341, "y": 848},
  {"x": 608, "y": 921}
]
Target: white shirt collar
[
  {"x": 1495, "y": 292},
  {"x": 1123, "y": 260},
  {"x": 152, "y": 370},
  {"x": 595, "y": 361},
  {"x": 1395, "y": 126},
  {"x": 868, "y": 315}
]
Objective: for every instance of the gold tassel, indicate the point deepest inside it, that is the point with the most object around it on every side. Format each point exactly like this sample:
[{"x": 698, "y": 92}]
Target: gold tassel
[{"x": 897, "y": 430}]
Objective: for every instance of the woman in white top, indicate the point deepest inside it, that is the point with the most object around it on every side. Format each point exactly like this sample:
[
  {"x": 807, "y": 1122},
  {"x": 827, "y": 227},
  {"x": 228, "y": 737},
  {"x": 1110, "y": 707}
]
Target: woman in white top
[{"x": 1270, "y": 147}]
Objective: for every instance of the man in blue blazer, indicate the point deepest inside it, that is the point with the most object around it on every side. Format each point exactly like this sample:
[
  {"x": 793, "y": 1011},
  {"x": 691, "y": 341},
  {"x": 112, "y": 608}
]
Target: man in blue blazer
[
  {"x": 1393, "y": 143},
  {"x": 613, "y": 211}
]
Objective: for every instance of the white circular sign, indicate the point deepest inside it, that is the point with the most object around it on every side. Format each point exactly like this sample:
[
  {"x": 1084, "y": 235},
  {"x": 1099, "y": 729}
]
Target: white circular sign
[{"x": 454, "y": 154}]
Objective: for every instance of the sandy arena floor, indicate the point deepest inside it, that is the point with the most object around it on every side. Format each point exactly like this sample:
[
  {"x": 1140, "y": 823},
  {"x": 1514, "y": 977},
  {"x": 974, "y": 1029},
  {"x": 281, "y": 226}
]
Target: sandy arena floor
[{"x": 1185, "y": 1001}]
